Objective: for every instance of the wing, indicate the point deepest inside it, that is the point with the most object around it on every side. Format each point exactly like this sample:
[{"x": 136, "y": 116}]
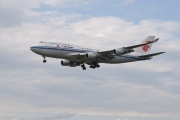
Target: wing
[{"x": 125, "y": 50}]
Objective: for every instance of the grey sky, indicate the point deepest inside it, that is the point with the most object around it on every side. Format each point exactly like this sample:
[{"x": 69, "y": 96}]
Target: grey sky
[{"x": 32, "y": 90}]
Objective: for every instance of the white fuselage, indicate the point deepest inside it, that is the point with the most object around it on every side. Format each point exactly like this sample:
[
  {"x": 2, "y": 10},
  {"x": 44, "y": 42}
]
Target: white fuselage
[{"x": 65, "y": 51}]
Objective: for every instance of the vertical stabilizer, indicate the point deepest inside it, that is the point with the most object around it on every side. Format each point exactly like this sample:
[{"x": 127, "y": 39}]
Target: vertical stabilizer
[{"x": 145, "y": 49}]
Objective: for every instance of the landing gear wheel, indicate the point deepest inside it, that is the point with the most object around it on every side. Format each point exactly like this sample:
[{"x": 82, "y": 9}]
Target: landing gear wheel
[
  {"x": 98, "y": 66},
  {"x": 44, "y": 61},
  {"x": 83, "y": 67},
  {"x": 94, "y": 65}
]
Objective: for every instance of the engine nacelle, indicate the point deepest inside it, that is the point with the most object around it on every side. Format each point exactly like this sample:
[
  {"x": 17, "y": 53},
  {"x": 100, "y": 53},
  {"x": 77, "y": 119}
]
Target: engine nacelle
[
  {"x": 90, "y": 56},
  {"x": 65, "y": 62},
  {"x": 122, "y": 51},
  {"x": 68, "y": 63},
  {"x": 119, "y": 51}
]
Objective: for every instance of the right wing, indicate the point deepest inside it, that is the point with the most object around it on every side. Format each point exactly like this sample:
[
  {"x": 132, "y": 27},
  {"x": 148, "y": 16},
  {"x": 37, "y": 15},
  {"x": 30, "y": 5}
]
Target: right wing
[{"x": 125, "y": 50}]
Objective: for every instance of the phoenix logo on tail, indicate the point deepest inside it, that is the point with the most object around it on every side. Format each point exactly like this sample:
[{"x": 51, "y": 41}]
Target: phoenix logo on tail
[{"x": 145, "y": 47}]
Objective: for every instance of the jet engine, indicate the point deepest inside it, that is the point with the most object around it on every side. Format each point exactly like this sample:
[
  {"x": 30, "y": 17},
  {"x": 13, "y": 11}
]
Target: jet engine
[
  {"x": 69, "y": 63},
  {"x": 122, "y": 51},
  {"x": 65, "y": 62},
  {"x": 90, "y": 56}
]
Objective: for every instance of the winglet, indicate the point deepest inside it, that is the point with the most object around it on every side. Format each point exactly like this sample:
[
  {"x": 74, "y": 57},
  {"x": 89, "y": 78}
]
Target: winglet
[
  {"x": 153, "y": 41},
  {"x": 156, "y": 39}
]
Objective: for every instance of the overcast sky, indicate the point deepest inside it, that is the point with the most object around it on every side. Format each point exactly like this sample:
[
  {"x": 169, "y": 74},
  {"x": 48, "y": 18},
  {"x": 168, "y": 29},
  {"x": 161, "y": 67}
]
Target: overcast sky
[{"x": 32, "y": 90}]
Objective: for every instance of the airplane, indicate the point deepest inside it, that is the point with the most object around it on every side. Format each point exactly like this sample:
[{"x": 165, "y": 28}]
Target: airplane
[{"x": 74, "y": 55}]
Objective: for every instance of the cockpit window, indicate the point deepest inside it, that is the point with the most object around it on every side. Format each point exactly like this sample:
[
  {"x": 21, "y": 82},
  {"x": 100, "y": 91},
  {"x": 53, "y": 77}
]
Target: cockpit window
[{"x": 41, "y": 42}]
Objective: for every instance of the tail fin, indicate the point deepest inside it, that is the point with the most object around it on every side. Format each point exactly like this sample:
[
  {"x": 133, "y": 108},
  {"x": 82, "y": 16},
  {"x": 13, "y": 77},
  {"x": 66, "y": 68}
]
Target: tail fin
[{"x": 145, "y": 49}]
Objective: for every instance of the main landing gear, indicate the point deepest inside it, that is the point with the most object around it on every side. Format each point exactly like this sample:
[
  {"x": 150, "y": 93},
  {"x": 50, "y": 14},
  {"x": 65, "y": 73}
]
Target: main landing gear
[
  {"x": 94, "y": 65},
  {"x": 83, "y": 67},
  {"x": 44, "y": 61}
]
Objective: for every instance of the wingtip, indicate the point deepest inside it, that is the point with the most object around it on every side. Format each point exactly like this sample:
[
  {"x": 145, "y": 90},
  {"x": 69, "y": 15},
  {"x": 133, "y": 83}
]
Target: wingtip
[
  {"x": 162, "y": 52},
  {"x": 156, "y": 39}
]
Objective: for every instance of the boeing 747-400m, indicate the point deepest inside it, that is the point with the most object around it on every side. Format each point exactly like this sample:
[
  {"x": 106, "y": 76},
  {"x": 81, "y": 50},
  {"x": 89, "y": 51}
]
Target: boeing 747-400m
[{"x": 74, "y": 55}]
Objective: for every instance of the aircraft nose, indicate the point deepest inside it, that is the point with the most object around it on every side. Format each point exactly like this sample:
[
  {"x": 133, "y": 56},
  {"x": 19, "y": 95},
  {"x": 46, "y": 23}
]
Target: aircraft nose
[
  {"x": 32, "y": 49},
  {"x": 35, "y": 49}
]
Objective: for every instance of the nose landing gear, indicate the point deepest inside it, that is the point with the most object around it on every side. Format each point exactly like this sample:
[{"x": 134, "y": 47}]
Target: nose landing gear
[{"x": 44, "y": 61}]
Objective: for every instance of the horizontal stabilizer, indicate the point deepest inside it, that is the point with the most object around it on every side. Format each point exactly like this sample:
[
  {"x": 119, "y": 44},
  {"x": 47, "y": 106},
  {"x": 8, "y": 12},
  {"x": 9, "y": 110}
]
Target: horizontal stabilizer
[{"x": 151, "y": 55}]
